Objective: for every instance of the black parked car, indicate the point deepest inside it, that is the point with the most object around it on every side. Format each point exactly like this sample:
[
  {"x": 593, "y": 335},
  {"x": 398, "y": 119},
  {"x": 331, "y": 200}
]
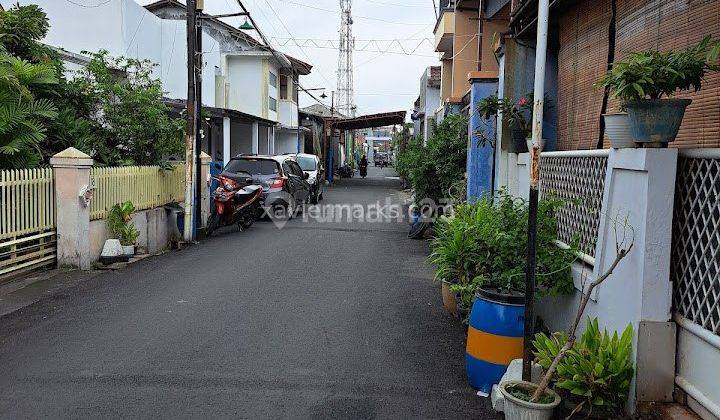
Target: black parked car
[{"x": 285, "y": 186}]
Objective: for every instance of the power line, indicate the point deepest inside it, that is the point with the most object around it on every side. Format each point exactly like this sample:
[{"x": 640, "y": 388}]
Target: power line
[
  {"x": 91, "y": 6},
  {"x": 337, "y": 12}
]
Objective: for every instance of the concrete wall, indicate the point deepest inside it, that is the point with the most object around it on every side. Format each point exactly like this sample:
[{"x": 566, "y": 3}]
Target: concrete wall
[
  {"x": 245, "y": 91},
  {"x": 639, "y": 185},
  {"x": 154, "y": 225},
  {"x": 465, "y": 50},
  {"x": 286, "y": 141}
]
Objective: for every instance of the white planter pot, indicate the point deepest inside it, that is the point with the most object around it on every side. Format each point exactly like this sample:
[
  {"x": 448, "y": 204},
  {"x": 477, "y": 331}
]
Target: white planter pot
[
  {"x": 617, "y": 127},
  {"x": 128, "y": 250},
  {"x": 529, "y": 144},
  {"x": 517, "y": 409}
]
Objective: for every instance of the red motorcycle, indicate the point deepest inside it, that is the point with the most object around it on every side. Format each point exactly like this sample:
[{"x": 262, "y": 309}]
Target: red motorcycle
[{"x": 234, "y": 203}]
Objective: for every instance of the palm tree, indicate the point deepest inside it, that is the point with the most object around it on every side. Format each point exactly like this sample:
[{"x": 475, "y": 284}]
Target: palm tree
[{"x": 22, "y": 117}]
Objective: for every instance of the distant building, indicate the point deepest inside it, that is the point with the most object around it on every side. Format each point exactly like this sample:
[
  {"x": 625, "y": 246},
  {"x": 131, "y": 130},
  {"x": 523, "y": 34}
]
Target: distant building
[{"x": 427, "y": 103}]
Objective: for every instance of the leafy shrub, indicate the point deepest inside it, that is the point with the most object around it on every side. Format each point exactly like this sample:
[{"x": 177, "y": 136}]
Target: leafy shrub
[
  {"x": 596, "y": 372},
  {"x": 434, "y": 168},
  {"x": 653, "y": 74},
  {"x": 23, "y": 117},
  {"x": 120, "y": 225},
  {"x": 132, "y": 124},
  {"x": 484, "y": 243}
]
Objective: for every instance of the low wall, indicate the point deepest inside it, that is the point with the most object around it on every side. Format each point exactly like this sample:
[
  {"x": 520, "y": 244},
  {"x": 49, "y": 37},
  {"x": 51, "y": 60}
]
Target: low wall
[
  {"x": 154, "y": 225},
  {"x": 638, "y": 188}
]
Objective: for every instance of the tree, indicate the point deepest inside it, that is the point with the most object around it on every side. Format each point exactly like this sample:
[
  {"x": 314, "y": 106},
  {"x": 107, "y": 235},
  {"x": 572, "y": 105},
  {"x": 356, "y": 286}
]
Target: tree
[
  {"x": 23, "y": 118},
  {"x": 131, "y": 122}
]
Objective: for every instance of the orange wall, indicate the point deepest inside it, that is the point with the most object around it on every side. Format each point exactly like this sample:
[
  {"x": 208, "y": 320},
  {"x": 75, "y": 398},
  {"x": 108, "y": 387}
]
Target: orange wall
[{"x": 465, "y": 50}]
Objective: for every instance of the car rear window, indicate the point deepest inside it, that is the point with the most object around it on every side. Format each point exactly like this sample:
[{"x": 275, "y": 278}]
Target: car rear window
[
  {"x": 306, "y": 163},
  {"x": 253, "y": 166}
]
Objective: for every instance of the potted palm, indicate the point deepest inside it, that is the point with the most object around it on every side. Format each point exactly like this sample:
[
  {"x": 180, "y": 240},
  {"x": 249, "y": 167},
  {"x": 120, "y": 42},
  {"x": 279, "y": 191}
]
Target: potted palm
[
  {"x": 645, "y": 83},
  {"x": 121, "y": 226}
]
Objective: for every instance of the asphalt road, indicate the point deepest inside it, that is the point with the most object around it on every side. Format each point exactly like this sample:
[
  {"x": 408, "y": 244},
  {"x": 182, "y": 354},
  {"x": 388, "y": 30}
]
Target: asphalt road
[{"x": 333, "y": 319}]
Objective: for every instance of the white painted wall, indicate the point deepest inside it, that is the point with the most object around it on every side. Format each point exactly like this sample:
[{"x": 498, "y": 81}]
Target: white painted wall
[
  {"x": 639, "y": 184},
  {"x": 287, "y": 113},
  {"x": 286, "y": 141},
  {"x": 243, "y": 74}
]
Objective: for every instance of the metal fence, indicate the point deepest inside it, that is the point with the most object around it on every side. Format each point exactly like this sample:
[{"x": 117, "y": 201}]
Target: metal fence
[
  {"x": 145, "y": 186},
  {"x": 27, "y": 219},
  {"x": 696, "y": 238},
  {"x": 577, "y": 177}
]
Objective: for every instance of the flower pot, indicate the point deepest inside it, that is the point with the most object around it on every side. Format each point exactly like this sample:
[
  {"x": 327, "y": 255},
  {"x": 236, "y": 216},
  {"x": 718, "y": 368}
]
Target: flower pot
[
  {"x": 529, "y": 142},
  {"x": 617, "y": 128},
  {"x": 656, "y": 121},
  {"x": 518, "y": 144},
  {"x": 448, "y": 298},
  {"x": 495, "y": 336},
  {"x": 128, "y": 250},
  {"x": 518, "y": 409}
]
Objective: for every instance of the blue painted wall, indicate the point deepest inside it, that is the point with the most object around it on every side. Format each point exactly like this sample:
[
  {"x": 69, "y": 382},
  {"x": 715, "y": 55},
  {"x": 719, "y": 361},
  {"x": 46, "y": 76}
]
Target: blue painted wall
[{"x": 481, "y": 142}]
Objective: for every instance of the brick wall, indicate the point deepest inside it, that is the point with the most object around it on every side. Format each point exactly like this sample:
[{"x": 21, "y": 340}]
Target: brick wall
[{"x": 641, "y": 24}]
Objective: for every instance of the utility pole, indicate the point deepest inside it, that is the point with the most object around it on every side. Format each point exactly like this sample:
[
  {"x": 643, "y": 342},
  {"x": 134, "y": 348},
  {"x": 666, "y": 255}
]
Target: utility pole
[
  {"x": 190, "y": 129},
  {"x": 197, "y": 180},
  {"x": 538, "y": 97}
]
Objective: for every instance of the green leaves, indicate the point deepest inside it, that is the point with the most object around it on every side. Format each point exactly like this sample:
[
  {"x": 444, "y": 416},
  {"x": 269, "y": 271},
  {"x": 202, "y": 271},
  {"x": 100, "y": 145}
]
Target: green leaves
[
  {"x": 483, "y": 243},
  {"x": 654, "y": 74},
  {"x": 120, "y": 225},
  {"x": 597, "y": 369}
]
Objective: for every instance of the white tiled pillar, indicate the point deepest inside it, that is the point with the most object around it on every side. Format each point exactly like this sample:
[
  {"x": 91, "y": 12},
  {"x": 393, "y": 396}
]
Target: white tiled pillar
[
  {"x": 226, "y": 140},
  {"x": 255, "y": 137}
]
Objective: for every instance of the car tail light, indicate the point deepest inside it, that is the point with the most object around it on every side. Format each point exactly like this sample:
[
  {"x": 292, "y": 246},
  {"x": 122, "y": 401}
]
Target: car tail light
[
  {"x": 278, "y": 182},
  {"x": 228, "y": 183}
]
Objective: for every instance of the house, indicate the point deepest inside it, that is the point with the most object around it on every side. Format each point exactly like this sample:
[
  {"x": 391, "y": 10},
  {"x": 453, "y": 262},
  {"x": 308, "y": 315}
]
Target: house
[
  {"x": 428, "y": 101},
  {"x": 249, "y": 91},
  {"x": 253, "y": 79}
]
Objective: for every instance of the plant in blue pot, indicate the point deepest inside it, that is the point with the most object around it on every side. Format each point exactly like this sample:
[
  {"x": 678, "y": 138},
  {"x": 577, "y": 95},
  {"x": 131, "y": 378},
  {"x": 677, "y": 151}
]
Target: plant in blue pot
[
  {"x": 646, "y": 81},
  {"x": 495, "y": 328}
]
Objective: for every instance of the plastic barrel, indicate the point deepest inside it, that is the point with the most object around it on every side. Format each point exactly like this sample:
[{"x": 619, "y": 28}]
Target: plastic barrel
[{"x": 495, "y": 337}]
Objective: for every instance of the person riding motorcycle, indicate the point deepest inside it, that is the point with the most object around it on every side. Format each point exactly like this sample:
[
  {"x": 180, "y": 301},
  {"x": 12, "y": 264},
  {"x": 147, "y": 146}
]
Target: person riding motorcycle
[{"x": 363, "y": 166}]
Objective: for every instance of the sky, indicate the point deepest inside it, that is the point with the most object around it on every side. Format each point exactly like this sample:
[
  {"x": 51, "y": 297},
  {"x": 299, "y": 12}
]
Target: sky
[{"x": 383, "y": 81}]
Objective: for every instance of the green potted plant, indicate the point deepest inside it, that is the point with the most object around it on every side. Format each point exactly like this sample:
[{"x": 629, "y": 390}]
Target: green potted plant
[
  {"x": 524, "y": 400},
  {"x": 518, "y": 116},
  {"x": 594, "y": 377},
  {"x": 645, "y": 82},
  {"x": 454, "y": 254},
  {"x": 121, "y": 227},
  {"x": 493, "y": 273}
]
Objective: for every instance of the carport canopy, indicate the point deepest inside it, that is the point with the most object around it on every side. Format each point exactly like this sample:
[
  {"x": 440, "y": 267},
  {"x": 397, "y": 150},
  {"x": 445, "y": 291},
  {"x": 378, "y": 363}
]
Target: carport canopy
[{"x": 370, "y": 121}]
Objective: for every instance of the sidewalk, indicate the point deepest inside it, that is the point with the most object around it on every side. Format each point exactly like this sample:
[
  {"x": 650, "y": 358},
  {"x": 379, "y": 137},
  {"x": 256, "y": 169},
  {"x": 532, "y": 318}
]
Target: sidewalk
[{"x": 36, "y": 286}]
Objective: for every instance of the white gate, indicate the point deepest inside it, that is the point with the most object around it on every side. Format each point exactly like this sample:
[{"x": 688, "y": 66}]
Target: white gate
[{"x": 696, "y": 278}]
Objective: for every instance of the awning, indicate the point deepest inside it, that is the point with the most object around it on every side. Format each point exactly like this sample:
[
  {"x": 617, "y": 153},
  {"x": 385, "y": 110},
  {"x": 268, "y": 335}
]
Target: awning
[{"x": 370, "y": 121}]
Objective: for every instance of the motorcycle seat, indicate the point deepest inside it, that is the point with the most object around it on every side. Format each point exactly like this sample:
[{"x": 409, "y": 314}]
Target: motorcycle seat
[{"x": 249, "y": 190}]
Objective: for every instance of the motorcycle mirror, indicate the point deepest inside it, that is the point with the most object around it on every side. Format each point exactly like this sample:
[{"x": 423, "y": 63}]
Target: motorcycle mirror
[{"x": 306, "y": 175}]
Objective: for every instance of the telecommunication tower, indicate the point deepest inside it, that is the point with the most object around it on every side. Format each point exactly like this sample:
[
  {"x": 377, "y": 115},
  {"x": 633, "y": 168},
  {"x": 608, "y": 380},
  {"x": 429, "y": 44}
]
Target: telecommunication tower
[{"x": 345, "y": 102}]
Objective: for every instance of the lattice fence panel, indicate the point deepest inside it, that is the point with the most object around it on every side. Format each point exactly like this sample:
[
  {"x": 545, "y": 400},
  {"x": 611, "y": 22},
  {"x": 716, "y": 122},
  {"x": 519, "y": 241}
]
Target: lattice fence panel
[
  {"x": 696, "y": 242},
  {"x": 580, "y": 181}
]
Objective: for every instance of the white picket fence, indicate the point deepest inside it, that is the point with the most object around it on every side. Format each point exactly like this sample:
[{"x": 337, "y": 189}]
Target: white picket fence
[{"x": 27, "y": 220}]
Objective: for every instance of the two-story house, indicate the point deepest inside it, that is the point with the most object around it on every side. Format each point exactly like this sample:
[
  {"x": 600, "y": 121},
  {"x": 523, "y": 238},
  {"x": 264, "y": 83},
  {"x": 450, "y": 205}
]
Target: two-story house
[
  {"x": 249, "y": 91},
  {"x": 255, "y": 86}
]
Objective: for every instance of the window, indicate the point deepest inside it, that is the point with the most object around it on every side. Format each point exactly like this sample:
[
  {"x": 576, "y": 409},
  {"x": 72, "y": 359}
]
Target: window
[
  {"x": 253, "y": 166},
  {"x": 283, "y": 86},
  {"x": 307, "y": 163},
  {"x": 273, "y": 80},
  {"x": 272, "y": 104}
]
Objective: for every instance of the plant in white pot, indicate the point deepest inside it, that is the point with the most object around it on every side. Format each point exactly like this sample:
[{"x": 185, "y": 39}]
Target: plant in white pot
[
  {"x": 121, "y": 226},
  {"x": 529, "y": 401},
  {"x": 645, "y": 82}
]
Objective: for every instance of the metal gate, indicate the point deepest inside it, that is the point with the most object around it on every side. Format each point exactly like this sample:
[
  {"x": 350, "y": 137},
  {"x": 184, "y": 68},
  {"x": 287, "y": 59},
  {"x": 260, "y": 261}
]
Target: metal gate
[
  {"x": 696, "y": 278},
  {"x": 27, "y": 220}
]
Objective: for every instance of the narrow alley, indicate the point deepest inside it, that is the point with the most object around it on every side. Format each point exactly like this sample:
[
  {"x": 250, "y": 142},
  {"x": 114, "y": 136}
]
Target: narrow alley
[{"x": 323, "y": 320}]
